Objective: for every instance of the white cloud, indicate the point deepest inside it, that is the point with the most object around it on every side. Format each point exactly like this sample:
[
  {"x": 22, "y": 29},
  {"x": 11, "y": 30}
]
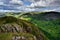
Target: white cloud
[
  {"x": 40, "y": 3},
  {"x": 9, "y": 11},
  {"x": 16, "y": 2},
  {"x": 29, "y": 9},
  {"x": 1, "y": 2},
  {"x": 48, "y": 10},
  {"x": 57, "y": 9},
  {"x": 44, "y": 3},
  {"x": 23, "y": 8}
]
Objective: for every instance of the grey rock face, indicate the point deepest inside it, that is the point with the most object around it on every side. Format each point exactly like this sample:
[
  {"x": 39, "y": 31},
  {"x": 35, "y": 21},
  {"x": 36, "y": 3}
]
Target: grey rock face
[{"x": 11, "y": 28}]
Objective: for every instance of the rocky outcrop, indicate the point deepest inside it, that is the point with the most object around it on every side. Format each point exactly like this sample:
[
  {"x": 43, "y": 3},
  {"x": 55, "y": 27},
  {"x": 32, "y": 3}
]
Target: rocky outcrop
[{"x": 20, "y": 29}]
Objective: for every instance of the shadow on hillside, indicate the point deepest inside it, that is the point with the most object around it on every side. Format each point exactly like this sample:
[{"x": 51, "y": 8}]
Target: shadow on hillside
[{"x": 49, "y": 35}]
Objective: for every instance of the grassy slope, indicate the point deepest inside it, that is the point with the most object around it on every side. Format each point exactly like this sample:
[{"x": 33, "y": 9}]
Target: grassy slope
[{"x": 51, "y": 28}]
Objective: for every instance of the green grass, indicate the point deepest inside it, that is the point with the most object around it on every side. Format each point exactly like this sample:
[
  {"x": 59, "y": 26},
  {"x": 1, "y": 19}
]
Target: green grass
[
  {"x": 5, "y": 36},
  {"x": 51, "y": 28},
  {"x": 8, "y": 36}
]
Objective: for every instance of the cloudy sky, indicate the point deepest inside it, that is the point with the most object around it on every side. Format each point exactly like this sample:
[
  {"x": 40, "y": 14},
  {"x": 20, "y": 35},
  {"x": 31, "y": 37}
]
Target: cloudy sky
[{"x": 29, "y": 5}]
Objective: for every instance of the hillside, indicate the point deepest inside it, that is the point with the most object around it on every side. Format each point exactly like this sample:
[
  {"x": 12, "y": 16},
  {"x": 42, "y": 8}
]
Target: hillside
[
  {"x": 48, "y": 22},
  {"x": 12, "y": 28},
  {"x": 43, "y": 15}
]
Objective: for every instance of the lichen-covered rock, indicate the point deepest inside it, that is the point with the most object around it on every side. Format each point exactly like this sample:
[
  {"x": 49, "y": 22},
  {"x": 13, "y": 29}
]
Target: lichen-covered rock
[{"x": 12, "y": 28}]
